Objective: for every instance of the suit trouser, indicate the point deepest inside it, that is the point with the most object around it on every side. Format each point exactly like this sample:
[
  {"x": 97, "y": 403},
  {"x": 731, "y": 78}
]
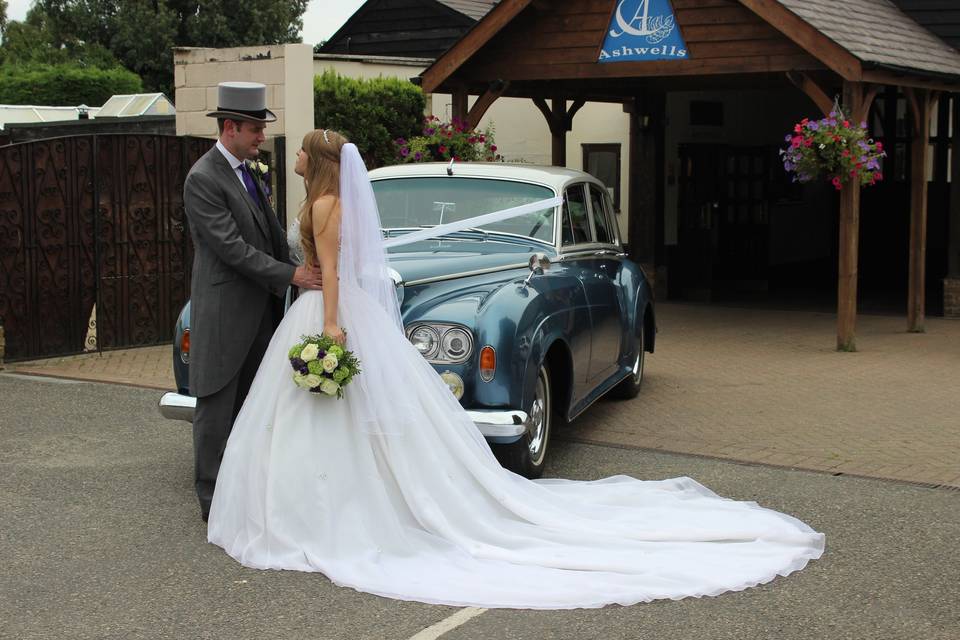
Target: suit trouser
[{"x": 214, "y": 415}]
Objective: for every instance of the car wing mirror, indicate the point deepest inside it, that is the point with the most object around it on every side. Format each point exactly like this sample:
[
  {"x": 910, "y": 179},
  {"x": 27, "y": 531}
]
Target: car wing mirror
[{"x": 538, "y": 263}]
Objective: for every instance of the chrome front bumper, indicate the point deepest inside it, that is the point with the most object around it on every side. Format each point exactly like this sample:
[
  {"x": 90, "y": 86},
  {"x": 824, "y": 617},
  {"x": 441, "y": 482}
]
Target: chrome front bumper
[
  {"x": 494, "y": 423},
  {"x": 175, "y": 406}
]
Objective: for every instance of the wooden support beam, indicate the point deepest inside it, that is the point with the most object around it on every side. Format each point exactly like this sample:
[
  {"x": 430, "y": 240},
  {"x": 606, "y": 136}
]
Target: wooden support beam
[
  {"x": 576, "y": 106},
  {"x": 809, "y": 86},
  {"x": 953, "y": 243},
  {"x": 560, "y": 120},
  {"x": 544, "y": 108},
  {"x": 484, "y": 102},
  {"x": 816, "y": 43},
  {"x": 558, "y": 132},
  {"x": 856, "y": 101},
  {"x": 909, "y": 80},
  {"x": 499, "y": 17},
  {"x": 459, "y": 106},
  {"x": 849, "y": 242},
  {"x": 922, "y": 102},
  {"x": 646, "y": 151},
  {"x": 860, "y": 115}
]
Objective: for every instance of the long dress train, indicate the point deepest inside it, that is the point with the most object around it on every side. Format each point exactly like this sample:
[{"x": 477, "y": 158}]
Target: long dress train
[{"x": 428, "y": 514}]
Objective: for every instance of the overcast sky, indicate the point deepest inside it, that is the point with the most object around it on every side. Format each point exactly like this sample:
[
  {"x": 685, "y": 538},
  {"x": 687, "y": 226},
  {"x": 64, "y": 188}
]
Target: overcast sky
[{"x": 322, "y": 19}]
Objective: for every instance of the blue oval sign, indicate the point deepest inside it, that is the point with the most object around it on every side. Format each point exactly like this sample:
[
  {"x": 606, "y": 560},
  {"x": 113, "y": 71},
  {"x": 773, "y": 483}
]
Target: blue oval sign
[{"x": 643, "y": 30}]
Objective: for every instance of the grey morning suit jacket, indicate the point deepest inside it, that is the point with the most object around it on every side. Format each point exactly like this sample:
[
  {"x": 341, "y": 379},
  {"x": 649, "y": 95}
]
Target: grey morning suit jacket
[{"x": 234, "y": 276}]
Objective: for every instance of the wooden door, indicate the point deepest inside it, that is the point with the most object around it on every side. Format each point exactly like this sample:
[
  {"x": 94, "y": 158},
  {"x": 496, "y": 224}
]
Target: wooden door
[
  {"x": 700, "y": 205},
  {"x": 743, "y": 246}
]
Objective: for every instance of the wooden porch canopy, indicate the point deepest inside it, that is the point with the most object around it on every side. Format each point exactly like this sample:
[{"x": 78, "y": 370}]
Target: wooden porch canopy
[{"x": 549, "y": 50}]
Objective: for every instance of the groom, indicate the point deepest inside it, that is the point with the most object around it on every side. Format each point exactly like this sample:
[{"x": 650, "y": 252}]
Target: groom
[{"x": 241, "y": 270}]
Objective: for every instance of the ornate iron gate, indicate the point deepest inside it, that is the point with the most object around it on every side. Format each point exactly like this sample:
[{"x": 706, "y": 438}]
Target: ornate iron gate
[{"x": 129, "y": 257}]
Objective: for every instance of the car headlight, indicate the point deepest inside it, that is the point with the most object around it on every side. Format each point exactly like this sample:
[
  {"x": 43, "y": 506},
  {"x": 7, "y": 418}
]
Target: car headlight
[
  {"x": 442, "y": 343},
  {"x": 426, "y": 340},
  {"x": 456, "y": 344},
  {"x": 453, "y": 382}
]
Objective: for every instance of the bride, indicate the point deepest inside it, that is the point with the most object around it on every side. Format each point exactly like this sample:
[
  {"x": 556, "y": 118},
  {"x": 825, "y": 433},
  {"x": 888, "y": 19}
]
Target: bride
[{"x": 393, "y": 491}]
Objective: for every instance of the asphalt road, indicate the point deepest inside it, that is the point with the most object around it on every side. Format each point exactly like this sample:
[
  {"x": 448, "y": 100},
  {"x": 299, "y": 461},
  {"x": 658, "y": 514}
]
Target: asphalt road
[{"x": 100, "y": 537}]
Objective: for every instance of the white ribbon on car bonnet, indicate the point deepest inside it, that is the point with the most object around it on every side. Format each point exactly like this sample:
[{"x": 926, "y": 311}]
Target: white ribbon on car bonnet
[{"x": 476, "y": 221}]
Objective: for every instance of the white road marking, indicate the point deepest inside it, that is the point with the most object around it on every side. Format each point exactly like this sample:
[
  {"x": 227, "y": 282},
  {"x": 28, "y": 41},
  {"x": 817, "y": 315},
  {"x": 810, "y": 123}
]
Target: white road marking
[{"x": 447, "y": 624}]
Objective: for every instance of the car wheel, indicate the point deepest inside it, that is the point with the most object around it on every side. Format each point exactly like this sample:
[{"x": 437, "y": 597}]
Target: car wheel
[
  {"x": 630, "y": 386},
  {"x": 528, "y": 455}
]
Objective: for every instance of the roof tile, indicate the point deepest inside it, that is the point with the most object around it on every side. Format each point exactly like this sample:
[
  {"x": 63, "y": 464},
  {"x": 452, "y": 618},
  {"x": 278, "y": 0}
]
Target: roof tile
[{"x": 877, "y": 31}]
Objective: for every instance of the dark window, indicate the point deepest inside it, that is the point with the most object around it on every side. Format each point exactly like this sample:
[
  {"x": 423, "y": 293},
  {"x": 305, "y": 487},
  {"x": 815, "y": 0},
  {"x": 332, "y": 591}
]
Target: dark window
[
  {"x": 706, "y": 113},
  {"x": 601, "y": 223},
  {"x": 602, "y": 161},
  {"x": 576, "y": 223}
]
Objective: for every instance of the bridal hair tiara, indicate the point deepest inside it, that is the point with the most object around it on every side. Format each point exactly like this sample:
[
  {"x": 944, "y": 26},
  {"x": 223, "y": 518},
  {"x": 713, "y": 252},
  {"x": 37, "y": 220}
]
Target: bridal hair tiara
[{"x": 325, "y": 138}]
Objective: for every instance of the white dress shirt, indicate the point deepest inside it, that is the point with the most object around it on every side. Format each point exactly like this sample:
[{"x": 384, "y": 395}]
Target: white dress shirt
[{"x": 234, "y": 163}]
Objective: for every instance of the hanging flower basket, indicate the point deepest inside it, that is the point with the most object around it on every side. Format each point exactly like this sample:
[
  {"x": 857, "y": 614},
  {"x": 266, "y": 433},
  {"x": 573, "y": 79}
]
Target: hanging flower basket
[
  {"x": 835, "y": 149},
  {"x": 442, "y": 141}
]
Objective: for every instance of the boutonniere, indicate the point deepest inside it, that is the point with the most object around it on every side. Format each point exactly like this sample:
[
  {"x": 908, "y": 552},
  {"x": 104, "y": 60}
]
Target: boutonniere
[{"x": 261, "y": 171}]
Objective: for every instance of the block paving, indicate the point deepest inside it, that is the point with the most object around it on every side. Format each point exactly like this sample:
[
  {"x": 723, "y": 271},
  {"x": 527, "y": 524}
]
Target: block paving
[{"x": 757, "y": 386}]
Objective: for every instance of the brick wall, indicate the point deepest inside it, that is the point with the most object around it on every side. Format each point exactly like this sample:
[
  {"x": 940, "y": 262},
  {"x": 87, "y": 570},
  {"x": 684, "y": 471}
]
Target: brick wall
[
  {"x": 951, "y": 297},
  {"x": 287, "y": 72}
]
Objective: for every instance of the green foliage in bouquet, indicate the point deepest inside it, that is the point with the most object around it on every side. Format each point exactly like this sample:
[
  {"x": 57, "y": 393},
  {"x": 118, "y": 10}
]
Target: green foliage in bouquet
[
  {"x": 320, "y": 365},
  {"x": 440, "y": 141}
]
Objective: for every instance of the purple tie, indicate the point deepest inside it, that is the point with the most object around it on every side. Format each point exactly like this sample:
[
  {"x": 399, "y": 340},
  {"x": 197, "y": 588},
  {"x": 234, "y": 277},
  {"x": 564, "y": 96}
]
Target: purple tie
[{"x": 249, "y": 183}]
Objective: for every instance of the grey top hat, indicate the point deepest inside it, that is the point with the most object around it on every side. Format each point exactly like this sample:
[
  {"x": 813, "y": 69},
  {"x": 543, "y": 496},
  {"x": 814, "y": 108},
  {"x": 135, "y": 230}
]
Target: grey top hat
[{"x": 242, "y": 101}]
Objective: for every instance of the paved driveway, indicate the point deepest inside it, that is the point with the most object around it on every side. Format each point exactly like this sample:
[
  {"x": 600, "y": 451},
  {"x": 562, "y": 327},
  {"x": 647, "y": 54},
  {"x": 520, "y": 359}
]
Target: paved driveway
[
  {"x": 768, "y": 386},
  {"x": 747, "y": 385},
  {"x": 101, "y": 538}
]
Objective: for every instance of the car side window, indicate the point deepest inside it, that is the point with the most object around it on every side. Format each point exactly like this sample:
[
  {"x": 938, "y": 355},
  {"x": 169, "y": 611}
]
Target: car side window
[
  {"x": 576, "y": 223},
  {"x": 601, "y": 219}
]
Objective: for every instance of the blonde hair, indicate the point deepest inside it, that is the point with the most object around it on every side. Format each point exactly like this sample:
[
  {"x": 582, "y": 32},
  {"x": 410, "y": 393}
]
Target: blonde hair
[{"x": 321, "y": 177}]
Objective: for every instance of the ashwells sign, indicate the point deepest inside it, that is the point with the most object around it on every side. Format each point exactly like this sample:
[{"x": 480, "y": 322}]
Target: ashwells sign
[{"x": 643, "y": 30}]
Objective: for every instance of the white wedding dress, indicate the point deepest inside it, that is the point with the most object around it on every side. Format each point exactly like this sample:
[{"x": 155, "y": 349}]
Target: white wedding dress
[{"x": 393, "y": 491}]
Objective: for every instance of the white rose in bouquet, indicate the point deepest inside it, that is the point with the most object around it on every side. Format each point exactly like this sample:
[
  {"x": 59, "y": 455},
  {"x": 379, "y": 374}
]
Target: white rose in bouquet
[
  {"x": 312, "y": 380},
  {"x": 300, "y": 381},
  {"x": 309, "y": 352},
  {"x": 329, "y": 387},
  {"x": 330, "y": 362}
]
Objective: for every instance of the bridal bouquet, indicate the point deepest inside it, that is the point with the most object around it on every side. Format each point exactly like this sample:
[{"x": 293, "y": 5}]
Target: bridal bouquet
[{"x": 320, "y": 365}]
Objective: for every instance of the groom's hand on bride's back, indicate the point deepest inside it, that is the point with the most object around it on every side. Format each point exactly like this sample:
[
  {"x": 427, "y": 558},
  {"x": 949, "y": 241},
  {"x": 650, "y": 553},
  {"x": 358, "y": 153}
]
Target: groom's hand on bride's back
[{"x": 307, "y": 277}]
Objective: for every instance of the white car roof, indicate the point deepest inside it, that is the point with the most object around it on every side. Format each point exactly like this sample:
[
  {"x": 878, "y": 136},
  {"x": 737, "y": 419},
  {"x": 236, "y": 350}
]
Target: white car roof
[{"x": 556, "y": 177}]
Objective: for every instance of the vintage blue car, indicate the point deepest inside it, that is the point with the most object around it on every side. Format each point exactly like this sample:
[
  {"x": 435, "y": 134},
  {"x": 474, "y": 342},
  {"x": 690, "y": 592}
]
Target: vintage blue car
[{"x": 529, "y": 320}]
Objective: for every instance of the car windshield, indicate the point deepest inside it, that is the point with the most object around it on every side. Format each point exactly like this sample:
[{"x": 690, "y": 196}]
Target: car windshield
[{"x": 409, "y": 203}]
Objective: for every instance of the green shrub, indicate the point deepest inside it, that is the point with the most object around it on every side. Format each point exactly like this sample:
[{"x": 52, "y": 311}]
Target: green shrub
[
  {"x": 65, "y": 85},
  {"x": 371, "y": 113}
]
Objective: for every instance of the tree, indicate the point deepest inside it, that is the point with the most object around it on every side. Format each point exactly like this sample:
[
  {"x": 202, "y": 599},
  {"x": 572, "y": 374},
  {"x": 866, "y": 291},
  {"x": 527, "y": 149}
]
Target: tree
[
  {"x": 3, "y": 16},
  {"x": 222, "y": 23},
  {"x": 141, "y": 34},
  {"x": 35, "y": 42}
]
